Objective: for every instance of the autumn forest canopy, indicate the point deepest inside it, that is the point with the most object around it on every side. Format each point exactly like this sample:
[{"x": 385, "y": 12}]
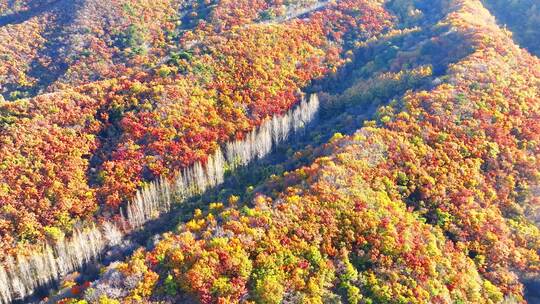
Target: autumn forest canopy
[{"x": 269, "y": 151}]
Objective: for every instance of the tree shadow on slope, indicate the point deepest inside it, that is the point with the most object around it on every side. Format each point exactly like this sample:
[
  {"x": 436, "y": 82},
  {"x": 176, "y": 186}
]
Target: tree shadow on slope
[{"x": 35, "y": 8}]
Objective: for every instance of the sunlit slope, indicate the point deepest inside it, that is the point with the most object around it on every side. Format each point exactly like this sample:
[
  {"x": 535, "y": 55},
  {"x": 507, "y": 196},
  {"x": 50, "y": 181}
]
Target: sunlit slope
[{"x": 208, "y": 75}]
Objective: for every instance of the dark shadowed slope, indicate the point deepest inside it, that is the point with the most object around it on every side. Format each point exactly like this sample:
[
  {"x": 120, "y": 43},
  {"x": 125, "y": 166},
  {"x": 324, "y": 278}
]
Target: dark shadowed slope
[{"x": 522, "y": 17}]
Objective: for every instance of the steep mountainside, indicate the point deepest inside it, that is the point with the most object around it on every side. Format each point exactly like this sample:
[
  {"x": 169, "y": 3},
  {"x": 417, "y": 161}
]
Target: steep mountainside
[{"x": 268, "y": 151}]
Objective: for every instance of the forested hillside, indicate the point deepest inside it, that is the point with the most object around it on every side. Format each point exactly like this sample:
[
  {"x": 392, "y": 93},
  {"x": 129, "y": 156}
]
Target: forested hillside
[{"x": 351, "y": 151}]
